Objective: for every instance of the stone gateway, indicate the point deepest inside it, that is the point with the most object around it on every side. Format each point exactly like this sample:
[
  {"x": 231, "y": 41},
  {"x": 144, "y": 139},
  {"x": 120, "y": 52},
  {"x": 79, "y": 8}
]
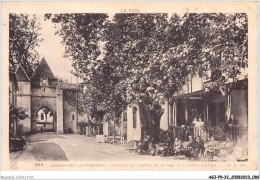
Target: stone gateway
[{"x": 50, "y": 103}]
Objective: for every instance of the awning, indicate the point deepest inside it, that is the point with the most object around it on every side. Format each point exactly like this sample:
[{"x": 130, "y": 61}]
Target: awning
[{"x": 193, "y": 95}]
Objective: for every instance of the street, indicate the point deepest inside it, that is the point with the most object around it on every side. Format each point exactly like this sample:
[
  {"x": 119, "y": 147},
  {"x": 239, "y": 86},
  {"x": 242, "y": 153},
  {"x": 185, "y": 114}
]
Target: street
[{"x": 74, "y": 147}]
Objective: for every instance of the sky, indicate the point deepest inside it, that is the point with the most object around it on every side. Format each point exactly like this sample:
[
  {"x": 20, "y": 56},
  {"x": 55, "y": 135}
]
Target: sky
[{"x": 52, "y": 50}]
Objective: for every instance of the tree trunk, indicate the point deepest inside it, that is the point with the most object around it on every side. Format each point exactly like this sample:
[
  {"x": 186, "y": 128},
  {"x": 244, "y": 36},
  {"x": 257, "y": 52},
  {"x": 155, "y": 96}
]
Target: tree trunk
[{"x": 150, "y": 122}]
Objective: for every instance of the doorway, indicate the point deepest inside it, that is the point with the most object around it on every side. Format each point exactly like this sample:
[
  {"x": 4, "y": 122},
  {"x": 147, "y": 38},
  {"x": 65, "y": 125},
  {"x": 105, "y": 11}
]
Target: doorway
[{"x": 45, "y": 120}]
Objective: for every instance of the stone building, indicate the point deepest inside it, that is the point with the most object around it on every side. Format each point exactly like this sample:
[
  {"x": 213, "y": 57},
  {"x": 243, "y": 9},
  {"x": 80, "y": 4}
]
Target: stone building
[{"x": 50, "y": 104}]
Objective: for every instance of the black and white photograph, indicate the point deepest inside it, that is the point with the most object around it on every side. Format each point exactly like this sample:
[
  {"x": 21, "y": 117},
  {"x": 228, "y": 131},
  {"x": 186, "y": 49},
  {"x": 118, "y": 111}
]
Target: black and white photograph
[{"x": 128, "y": 86}]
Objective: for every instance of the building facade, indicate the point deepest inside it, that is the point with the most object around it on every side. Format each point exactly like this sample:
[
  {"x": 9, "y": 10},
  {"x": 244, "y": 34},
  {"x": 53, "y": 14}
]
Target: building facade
[
  {"x": 50, "y": 104},
  {"x": 200, "y": 100}
]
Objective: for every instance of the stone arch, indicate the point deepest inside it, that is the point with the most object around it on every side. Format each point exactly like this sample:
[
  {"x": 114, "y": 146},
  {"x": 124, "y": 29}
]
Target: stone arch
[
  {"x": 39, "y": 102},
  {"x": 44, "y": 119}
]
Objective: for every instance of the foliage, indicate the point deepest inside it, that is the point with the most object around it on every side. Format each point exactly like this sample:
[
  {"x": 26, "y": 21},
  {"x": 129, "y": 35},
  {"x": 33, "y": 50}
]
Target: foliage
[
  {"x": 82, "y": 34},
  {"x": 167, "y": 136},
  {"x": 24, "y": 36},
  {"x": 16, "y": 114},
  {"x": 143, "y": 59}
]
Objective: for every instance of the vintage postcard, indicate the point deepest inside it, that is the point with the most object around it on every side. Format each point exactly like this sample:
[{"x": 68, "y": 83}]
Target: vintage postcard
[{"x": 129, "y": 86}]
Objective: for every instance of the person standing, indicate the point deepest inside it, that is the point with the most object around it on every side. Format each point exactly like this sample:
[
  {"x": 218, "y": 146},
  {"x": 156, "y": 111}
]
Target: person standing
[{"x": 233, "y": 127}]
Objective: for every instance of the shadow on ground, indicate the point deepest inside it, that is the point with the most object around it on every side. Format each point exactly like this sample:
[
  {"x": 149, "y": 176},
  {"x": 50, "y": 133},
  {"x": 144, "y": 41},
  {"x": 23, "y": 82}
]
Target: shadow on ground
[
  {"x": 47, "y": 151},
  {"x": 41, "y": 137}
]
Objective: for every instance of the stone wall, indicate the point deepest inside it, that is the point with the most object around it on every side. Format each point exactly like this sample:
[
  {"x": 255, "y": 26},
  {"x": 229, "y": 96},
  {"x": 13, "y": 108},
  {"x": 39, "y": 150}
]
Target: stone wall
[
  {"x": 44, "y": 91},
  {"x": 36, "y": 98},
  {"x": 68, "y": 111},
  {"x": 43, "y": 98},
  {"x": 24, "y": 101},
  {"x": 59, "y": 103}
]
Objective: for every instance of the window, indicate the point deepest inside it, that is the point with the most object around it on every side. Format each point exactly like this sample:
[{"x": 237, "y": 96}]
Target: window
[
  {"x": 42, "y": 116},
  {"x": 134, "y": 116},
  {"x": 44, "y": 81},
  {"x": 73, "y": 117}
]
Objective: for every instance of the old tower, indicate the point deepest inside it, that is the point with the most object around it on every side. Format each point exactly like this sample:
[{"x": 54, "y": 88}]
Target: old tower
[{"x": 50, "y": 103}]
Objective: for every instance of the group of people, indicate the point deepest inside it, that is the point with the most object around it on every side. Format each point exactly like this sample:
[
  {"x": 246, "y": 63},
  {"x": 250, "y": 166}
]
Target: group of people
[
  {"x": 199, "y": 149},
  {"x": 197, "y": 122},
  {"x": 195, "y": 128},
  {"x": 192, "y": 141},
  {"x": 192, "y": 148}
]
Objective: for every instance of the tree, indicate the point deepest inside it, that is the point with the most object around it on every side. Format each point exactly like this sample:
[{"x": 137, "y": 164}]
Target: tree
[
  {"x": 82, "y": 35},
  {"x": 16, "y": 114},
  {"x": 134, "y": 48},
  {"x": 143, "y": 59},
  {"x": 24, "y": 36},
  {"x": 219, "y": 45}
]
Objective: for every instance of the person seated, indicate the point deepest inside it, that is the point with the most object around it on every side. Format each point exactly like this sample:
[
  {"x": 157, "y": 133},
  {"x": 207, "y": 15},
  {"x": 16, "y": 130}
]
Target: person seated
[
  {"x": 138, "y": 146},
  {"x": 210, "y": 147},
  {"x": 197, "y": 148},
  {"x": 201, "y": 142},
  {"x": 177, "y": 147},
  {"x": 143, "y": 147},
  {"x": 187, "y": 143},
  {"x": 151, "y": 149},
  {"x": 167, "y": 151}
]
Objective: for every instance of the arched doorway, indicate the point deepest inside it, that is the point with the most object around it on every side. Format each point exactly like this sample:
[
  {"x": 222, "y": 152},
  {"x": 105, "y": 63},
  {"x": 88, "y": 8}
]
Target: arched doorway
[{"x": 45, "y": 119}]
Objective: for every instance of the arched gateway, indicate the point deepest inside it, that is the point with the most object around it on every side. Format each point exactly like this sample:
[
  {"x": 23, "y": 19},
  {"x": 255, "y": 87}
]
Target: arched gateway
[
  {"x": 45, "y": 119},
  {"x": 44, "y": 99}
]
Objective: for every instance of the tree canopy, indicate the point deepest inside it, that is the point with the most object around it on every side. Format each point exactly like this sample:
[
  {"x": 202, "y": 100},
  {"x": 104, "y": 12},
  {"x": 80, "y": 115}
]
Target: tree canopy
[
  {"x": 144, "y": 58},
  {"x": 24, "y": 36}
]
